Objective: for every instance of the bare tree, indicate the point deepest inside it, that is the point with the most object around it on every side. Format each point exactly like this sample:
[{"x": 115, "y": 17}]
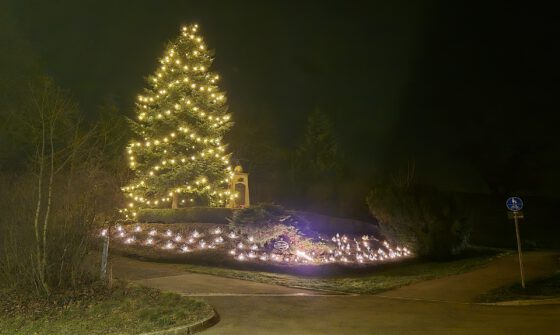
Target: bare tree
[
  {"x": 51, "y": 106},
  {"x": 50, "y": 208}
]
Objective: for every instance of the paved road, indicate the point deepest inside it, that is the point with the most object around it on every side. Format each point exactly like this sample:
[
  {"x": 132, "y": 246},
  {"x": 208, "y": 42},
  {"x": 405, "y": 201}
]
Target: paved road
[
  {"x": 171, "y": 277},
  {"x": 253, "y": 308},
  {"x": 374, "y": 315},
  {"x": 467, "y": 286}
]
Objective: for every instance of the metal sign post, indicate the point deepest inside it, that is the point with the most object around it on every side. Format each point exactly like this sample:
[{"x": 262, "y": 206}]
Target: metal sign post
[{"x": 515, "y": 204}]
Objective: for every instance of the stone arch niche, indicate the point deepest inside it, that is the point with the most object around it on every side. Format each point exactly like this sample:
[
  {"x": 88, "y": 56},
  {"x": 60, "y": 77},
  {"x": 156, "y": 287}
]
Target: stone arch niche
[{"x": 239, "y": 185}]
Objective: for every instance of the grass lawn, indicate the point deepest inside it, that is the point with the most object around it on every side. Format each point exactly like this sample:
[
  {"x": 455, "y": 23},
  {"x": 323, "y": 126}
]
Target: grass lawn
[
  {"x": 359, "y": 280},
  {"x": 536, "y": 289},
  {"x": 125, "y": 309}
]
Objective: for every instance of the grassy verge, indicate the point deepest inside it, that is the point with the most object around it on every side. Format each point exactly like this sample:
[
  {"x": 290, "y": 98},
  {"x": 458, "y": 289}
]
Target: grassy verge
[
  {"x": 536, "y": 289},
  {"x": 125, "y": 309},
  {"x": 367, "y": 281}
]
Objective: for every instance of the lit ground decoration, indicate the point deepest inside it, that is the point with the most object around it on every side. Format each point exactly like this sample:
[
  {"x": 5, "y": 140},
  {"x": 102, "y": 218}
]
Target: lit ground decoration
[{"x": 339, "y": 248}]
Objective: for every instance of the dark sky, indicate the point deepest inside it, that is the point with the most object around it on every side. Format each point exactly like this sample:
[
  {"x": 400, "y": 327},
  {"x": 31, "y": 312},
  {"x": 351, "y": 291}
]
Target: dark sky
[{"x": 445, "y": 84}]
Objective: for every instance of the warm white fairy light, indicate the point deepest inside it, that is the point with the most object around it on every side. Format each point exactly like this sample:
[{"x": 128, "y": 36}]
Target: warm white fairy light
[
  {"x": 184, "y": 66},
  {"x": 303, "y": 255},
  {"x": 345, "y": 250}
]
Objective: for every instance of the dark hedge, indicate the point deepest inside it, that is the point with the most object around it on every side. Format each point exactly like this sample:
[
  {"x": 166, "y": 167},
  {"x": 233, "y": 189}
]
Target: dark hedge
[{"x": 181, "y": 215}]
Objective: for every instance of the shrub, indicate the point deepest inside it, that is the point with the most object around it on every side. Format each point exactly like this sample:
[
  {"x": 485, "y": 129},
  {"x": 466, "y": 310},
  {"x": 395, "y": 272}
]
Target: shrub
[
  {"x": 77, "y": 203},
  {"x": 262, "y": 222},
  {"x": 259, "y": 214},
  {"x": 182, "y": 215},
  {"x": 430, "y": 222},
  {"x": 269, "y": 222}
]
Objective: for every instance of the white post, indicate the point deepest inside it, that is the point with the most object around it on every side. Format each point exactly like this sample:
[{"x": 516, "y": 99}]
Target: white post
[{"x": 104, "y": 256}]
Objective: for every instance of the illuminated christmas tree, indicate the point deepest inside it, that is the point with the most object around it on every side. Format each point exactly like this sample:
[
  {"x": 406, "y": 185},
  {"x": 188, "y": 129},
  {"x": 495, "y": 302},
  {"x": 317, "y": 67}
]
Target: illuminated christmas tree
[{"x": 177, "y": 154}]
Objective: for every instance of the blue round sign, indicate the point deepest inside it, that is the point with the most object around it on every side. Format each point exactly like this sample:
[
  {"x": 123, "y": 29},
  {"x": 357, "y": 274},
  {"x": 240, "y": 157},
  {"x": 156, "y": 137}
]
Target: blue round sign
[{"x": 514, "y": 204}]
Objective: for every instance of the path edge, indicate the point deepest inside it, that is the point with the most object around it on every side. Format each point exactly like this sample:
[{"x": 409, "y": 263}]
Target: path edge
[
  {"x": 526, "y": 302},
  {"x": 189, "y": 329}
]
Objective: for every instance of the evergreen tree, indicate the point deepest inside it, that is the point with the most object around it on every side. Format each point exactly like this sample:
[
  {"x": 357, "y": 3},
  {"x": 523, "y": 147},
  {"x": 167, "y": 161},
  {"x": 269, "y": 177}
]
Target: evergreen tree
[
  {"x": 177, "y": 153},
  {"x": 318, "y": 164},
  {"x": 318, "y": 155}
]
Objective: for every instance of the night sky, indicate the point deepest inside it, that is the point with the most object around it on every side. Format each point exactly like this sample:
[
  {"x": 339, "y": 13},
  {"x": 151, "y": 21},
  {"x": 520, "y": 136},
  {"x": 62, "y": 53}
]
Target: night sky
[{"x": 447, "y": 86}]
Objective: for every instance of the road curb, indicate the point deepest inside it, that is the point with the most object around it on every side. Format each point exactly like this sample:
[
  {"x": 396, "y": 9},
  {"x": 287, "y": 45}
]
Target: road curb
[
  {"x": 528, "y": 302},
  {"x": 189, "y": 329},
  {"x": 318, "y": 290}
]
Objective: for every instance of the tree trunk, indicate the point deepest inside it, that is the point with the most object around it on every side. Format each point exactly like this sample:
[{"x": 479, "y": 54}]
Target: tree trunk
[
  {"x": 175, "y": 202},
  {"x": 47, "y": 212},
  {"x": 38, "y": 208}
]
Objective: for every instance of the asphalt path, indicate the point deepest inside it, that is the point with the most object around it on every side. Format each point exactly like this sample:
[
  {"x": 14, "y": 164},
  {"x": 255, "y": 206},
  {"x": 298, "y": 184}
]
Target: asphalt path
[
  {"x": 465, "y": 287},
  {"x": 375, "y": 315},
  {"x": 254, "y": 308}
]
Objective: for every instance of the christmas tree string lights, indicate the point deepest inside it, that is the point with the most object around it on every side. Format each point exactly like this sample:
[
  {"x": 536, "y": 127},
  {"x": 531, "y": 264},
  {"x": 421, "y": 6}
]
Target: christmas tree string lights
[
  {"x": 177, "y": 154},
  {"x": 341, "y": 249}
]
